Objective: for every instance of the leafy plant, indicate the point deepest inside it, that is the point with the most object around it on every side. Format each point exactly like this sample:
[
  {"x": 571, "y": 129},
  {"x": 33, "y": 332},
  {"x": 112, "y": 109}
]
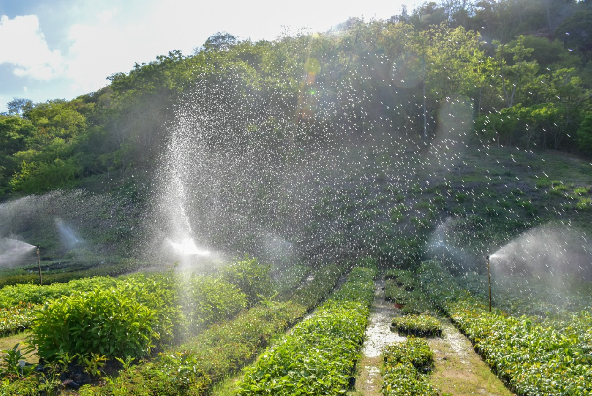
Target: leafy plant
[
  {"x": 109, "y": 322},
  {"x": 318, "y": 356},
  {"x": 12, "y": 362},
  {"x": 532, "y": 358},
  {"x": 251, "y": 277},
  {"x": 404, "y": 366},
  {"x": 418, "y": 325}
]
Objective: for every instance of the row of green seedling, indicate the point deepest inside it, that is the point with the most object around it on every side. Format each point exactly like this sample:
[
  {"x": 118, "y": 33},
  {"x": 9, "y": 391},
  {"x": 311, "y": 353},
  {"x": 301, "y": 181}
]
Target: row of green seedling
[
  {"x": 401, "y": 287},
  {"x": 319, "y": 355},
  {"x": 195, "y": 366},
  {"x": 15, "y": 319},
  {"x": 139, "y": 314},
  {"x": 533, "y": 358},
  {"x": 421, "y": 325},
  {"x": 406, "y": 368}
]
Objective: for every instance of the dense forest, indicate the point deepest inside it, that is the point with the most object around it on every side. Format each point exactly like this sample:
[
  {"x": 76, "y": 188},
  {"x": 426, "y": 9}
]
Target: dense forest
[{"x": 524, "y": 68}]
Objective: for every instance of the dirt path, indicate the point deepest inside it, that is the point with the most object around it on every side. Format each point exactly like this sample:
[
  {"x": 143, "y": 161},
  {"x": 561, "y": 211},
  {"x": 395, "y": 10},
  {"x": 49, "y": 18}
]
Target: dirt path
[
  {"x": 378, "y": 335},
  {"x": 458, "y": 369}
]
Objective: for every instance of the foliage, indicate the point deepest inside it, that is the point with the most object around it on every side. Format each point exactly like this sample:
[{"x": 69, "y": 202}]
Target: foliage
[
  {"x": 35, "y": 294},
  {"x": 125, "y": 317},
  {"x": 107, "y": 321},
  {"x": 405, "y": 365},
  {"x": 584, "y": 134},
  {"x": 418, "y": 325},
  {"x": 413, "y": 350},
  {"x": 318, "y": 355},
  {"x": 395, "y": 293},
  {"x": 220, "y": 350},
  {"x": 251, "y": 277},
  {"x": 16, "y": 318},
  {"x": 207, "y": 300}
]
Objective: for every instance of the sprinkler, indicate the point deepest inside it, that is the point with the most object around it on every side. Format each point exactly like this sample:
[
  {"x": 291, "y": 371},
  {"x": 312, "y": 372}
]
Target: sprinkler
[
  {"x": 39, "y": 265},
  {"x": 489, "y": 282}
]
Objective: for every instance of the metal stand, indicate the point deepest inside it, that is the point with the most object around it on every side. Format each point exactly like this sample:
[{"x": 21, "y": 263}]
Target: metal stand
[
  {"x": 39, "y": 265},
  {"x": 489, "y": 283}
]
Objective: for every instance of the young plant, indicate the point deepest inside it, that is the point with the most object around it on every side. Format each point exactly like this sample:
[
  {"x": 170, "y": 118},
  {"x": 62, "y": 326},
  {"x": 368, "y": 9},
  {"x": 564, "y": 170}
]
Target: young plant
[{"x": 418, "y": 325}]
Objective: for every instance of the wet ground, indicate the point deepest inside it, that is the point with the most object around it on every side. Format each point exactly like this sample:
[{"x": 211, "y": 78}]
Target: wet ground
[{"x": 378, "y": 335}]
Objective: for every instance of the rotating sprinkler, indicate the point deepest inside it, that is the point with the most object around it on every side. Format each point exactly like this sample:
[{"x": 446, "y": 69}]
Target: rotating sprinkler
[{"x": 489, "y": 282}]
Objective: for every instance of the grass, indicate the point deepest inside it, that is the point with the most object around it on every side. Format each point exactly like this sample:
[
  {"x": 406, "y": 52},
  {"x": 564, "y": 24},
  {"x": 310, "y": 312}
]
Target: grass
[{"x": 10, "y": 341}]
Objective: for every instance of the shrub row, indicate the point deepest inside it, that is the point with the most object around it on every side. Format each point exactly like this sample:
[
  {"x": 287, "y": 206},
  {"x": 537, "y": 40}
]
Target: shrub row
[
  {"x": 405, "y": 367},
  {"x": 418, "y": 325},
  {"x": 531, "y": 357},
  {"x": 15, "y": 319},
  {"x": 130, "y": 316},
  {"x": 11, "y": 296},
  {"x": 319, "y": 355},
  {"x": 222, "y": 349}
]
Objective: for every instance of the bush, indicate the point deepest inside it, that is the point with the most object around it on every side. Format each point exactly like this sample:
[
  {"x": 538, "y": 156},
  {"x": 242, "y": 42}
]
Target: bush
[
  {"x": 404, "y": 365},
  {"x": 418, "y": 325},
  {"x": 251, "y": 278},
  {"x": 207, "y": 300},
  {"x": 110, "y": 322}
]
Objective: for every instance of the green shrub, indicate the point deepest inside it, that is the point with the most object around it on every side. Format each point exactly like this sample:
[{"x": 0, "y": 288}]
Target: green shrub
[
  {"x": 404, "y": 365},
  {"x": 251, "y": 277},
  {"x": 110, "y": 322},
  {"x": 418, "y": 325},
  {"x": 207, "y": 300}
]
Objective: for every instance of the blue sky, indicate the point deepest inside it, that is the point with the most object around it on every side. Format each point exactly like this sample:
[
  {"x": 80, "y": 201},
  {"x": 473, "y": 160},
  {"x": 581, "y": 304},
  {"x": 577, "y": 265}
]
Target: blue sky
[{"x": 59, "y": 49}]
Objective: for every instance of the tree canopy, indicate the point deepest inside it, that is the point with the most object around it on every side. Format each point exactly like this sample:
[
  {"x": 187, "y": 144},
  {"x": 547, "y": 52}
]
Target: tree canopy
[{"x": 521, "y": 68}]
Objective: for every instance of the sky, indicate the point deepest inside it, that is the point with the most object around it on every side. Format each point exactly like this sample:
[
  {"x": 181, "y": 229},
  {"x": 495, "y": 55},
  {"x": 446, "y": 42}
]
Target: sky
[{"x": 60, "y": 49}]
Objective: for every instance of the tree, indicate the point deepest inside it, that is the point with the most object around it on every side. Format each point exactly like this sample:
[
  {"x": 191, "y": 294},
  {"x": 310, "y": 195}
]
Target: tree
[
  {"x": 584, "y": 134},
  {"x": 221, "y": 41},
  {"x": 19, "y": 106},
  {"x": 576, "y": 32}
]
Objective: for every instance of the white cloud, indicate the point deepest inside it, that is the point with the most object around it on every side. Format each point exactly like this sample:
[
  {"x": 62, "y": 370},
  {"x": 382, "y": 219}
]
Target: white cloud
[{"x": 24, "y": 47}]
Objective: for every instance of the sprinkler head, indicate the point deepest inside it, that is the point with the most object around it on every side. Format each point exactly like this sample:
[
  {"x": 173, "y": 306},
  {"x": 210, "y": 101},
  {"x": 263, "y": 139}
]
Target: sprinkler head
[{"x": 487, "y": 257}]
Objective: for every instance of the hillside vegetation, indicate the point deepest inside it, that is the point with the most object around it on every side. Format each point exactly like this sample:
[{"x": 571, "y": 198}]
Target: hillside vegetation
[{"x": 447, "y": 111}]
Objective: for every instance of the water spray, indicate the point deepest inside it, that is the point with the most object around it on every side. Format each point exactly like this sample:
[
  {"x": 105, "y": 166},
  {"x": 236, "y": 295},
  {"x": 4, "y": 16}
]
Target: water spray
[
  {"x": 489, "y": 282},
  {"x": 39, "y": 265}
]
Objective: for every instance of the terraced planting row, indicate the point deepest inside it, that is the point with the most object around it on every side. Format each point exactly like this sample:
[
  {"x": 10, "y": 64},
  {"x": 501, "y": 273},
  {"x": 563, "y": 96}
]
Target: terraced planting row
[
  {"x": 17, "y": 318},
  {"x": 318, "y": 356},
  {"x": 193, "y": 367},
  {"x": 534, "y": 358},
  {"x": 129, "y": 318},
  {"x": 406, "y": 365}
]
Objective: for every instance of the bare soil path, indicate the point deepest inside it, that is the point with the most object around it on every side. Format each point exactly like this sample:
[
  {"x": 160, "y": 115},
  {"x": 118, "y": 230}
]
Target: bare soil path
[{"x": 458, "y": 369}]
